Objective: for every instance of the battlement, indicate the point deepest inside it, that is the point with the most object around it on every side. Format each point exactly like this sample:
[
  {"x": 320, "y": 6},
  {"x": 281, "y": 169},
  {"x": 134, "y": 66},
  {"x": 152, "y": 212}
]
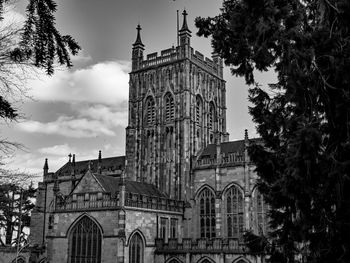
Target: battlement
[
  {"x": 188, "y": 245},
  {"x": 174, "y": 54},
  {"x": 99, "y": 200}
]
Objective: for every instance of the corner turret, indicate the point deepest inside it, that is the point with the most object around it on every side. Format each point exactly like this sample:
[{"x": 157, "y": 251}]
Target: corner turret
[
  {"x": 185, "y": 37},
  {"x": 46, "y": 168},
  {"x": 137, "y": 50}
]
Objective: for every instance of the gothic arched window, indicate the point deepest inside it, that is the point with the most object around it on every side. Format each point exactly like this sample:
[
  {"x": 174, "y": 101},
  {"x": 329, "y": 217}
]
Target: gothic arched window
[
  {"x": 260, "y": 213},
  {"x": 150, "y": 111},
  {"x": 211, "y": 116},
  {"x": 207, "y": 213},
  {"x": 234, "y": 212},
  {"x": 85, "y": 242},
  {"x": 136, "y": 249},
  {"x": 169, "y": 107},
  {"x": 199, "y": 110}
]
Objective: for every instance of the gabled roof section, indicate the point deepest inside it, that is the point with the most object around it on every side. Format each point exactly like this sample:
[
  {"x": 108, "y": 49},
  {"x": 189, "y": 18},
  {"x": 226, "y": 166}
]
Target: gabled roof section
[
  {"x": 226, "y": 148},
  {"x": 109, "y": 165},
  {"x": 88, "y": 183},
  {"x": 111, "y": 184}
]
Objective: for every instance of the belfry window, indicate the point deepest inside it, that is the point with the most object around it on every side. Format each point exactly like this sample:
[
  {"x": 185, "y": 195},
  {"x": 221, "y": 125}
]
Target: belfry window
[
  {"x": 85, "y": 242},
  {"x": 234, "y": 212},
  {"x": 136, "y": 249},
  {"x": 150, "y": 111},
  {"x": 207, "y": 213},
  {"x": 211, "y": 117},
  {"x": 198, "y": 110},
  {"x": 169, "y": 108}
]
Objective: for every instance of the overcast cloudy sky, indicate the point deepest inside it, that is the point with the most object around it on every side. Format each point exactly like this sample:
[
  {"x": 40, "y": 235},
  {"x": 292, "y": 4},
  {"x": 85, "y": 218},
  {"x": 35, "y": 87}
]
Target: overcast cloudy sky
[{"x": 84, "y": 109}]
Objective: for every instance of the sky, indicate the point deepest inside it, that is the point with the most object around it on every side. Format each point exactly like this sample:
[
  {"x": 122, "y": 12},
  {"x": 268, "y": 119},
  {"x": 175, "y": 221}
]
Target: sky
[{"x": 84, "y": 109}]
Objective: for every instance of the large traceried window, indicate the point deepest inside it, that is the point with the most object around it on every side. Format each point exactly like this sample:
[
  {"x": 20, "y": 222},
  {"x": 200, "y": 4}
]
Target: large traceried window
[
  {"x": 136, "y": 249},
  {"x": 207, "y": 213},
  {"x": 169, "y": 107},
  {"x": 150, "y": 111},
  {"x": 260, "y": 209},
  {"x": 85, "y": 242},
  {"x": 234, "y": 212}
]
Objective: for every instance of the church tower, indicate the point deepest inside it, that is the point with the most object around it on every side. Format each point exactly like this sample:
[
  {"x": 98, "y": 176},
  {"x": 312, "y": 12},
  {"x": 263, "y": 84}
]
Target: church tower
[{"x": 176, "y": 108}]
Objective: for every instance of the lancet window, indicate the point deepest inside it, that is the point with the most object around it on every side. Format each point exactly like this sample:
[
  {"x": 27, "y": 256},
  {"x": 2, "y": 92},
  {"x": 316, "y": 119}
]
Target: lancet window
[
  {"x": 150, "y": 111},
  {"x": 199, "y": 110},
  {"x": 136, "y": 249},
  {"x": 211, "y": 117},
  {"x": 260, "y": 209},
  {"x": 234, "y": 212},
  {"x": 169, "y": 108},
  {"x": 207, "y": 213}
]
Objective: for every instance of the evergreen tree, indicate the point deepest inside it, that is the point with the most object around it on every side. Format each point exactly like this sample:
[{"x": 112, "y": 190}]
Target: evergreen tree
[
  {"x": 37, "y": 45},
  {"x": 303, "y": 119},
  {"x": 16, "y": 204}
]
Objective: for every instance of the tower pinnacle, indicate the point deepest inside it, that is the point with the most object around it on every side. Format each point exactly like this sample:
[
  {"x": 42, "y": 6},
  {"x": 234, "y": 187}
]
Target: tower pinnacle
[
  {"x": 138, "y": 41},
  {"x": 184, "y": 24}
]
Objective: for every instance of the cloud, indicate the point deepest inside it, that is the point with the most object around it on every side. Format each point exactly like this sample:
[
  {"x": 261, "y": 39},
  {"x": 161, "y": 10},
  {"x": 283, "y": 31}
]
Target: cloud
[
  {"x": 104, "y": 83},
  {"x": 111, "y": 117},
  {"x": 68, "y": 126},
  {"x": 86, "y": 121},
  {"x": 61, "y": 150}
]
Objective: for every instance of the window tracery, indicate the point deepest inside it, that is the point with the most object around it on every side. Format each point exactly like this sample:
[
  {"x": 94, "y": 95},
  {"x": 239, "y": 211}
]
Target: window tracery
[
  {"x": 260, "y": 209},
  {"x": 150, "y": 111},
  {"x": 85, "y": 242},
  {"x": 136, "y": 249},
  {"x": 169, "y": 108},
  {"x": 234, "y": 212},
  {"x": 207, "y": 213}
]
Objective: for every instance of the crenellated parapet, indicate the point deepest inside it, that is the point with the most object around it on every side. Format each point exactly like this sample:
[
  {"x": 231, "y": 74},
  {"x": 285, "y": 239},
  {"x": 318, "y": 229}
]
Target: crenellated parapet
[{"x": 173, "y": 55}]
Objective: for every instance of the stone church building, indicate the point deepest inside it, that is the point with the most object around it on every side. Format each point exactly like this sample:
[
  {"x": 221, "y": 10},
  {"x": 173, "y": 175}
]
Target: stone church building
[{"x": 183, "y": 193}]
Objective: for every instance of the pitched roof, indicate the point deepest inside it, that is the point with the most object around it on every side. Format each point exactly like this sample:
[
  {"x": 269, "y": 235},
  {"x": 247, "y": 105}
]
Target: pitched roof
[
  {"x": 81, "y": 167},
  {"x": 226, "y": 148},
  {"x": 111, "y": 184}
]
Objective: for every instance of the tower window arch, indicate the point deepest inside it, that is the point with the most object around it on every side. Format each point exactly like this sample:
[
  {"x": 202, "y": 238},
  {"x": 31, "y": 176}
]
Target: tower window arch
[
  {"x": 199, "y": 110},
  {"x": 169, "y": 107},
  {"x": 85, "y": 242},
  {"x": 136, "y": 249},
  {"x": 211, "y": 117},
  {"x": 234, "y": 212},
  {"x": 207, "y": 217},
  {"x": 150, "y": 111}
]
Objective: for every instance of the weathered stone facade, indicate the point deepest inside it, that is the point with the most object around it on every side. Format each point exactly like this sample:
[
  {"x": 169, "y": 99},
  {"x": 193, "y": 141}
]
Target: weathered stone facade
[{"x": 183, "y": 192}]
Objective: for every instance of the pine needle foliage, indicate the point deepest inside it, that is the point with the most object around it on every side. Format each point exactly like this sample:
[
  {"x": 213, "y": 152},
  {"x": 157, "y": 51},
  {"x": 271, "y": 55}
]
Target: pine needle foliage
[{"x": 303, "y": 119}]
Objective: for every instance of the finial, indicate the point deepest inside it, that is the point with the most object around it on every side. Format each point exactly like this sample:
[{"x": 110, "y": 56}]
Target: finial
[
  {"x": 246, "y": 139},
  {"x": 70, "y": 156},
  {"x": 99, "y": 166},
  {"x": 184, "y": 24},
  {"x": 46, "y": 165},
  {"x": 138, "y": 37}
]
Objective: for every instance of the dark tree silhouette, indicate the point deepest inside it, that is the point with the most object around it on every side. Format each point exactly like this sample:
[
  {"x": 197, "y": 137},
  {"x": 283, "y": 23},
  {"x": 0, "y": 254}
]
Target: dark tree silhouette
[{"x": 303, "y": 119}]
